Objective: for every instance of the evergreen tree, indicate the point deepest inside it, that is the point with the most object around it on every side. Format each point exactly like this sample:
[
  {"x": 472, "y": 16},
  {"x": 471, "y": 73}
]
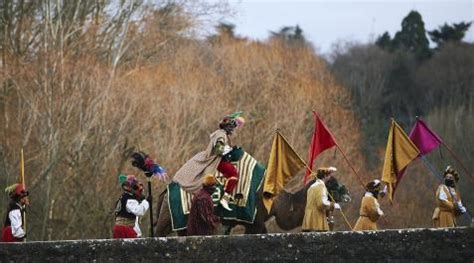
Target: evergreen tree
[
  {"x": 384, "y": 41},
  {"x": 412, "y": 37},
  {"x": 447, "y": 33}
]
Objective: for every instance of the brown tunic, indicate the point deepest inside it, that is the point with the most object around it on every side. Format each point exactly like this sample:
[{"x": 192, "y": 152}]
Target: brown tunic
[
  {"x": 444, "y": 214},
  {"x": 369, "y": 214}
]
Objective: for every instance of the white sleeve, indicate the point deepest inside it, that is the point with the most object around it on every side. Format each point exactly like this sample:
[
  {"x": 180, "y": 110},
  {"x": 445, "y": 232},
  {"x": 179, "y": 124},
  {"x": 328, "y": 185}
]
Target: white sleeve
[
  {"x": 16, "y": 222},
  {"x": 138, "y": 209},
  {"x": 325, "y": 198},
  {"x": 442, "y": 195},
  {"x": 136, "y": 227},
  {"x": 379, "y": 211},
  {"x": 461, "y": 207}
]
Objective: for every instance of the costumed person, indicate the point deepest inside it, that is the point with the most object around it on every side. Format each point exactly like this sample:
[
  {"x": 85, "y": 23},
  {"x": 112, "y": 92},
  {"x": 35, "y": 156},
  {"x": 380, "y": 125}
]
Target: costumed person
[
  {"x": 370, "y": 210},
  {"x": 318, "y": 203},
  {"x": 12, "y": 230},
  {"x": 448, "y": 201},
  {"x": 201, "y": 220},
  {"x": 129, "y": 207},
  {"x": 211, "y": 160}
]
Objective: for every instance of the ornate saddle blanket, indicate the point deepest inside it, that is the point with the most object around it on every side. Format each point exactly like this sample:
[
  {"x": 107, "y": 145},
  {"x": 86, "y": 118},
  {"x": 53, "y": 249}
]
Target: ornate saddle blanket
[{"x": 251, "y": 174}]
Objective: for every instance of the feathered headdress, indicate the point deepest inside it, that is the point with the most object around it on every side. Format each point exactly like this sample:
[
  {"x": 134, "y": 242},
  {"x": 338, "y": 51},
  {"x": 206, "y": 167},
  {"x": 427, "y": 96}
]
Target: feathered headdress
[
  {"x": 16, "y": 191},
  {"x": 143, "y": 162},
  {"x": 234, "y": 120}
]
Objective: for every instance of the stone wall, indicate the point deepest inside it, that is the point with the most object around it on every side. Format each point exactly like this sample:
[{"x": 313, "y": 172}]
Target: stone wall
[{"x": 415, "y": 245}]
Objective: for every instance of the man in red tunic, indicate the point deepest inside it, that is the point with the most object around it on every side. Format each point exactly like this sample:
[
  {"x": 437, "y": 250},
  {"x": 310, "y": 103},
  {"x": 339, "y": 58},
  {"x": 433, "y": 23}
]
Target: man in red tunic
[
  {"x": 201, "y": 220},
  {"x": 12, "y": 230}
]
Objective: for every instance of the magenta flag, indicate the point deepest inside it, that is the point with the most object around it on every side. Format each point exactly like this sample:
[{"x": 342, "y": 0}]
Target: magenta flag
[
  {"x": 426, "y": 141},
  {"x": 424, "y": 138}
]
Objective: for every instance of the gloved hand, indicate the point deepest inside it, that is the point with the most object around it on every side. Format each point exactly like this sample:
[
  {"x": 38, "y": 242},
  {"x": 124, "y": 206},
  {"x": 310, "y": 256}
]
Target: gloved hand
[
  {"x": 337, "y": 206},
  {"x": 149, "y": 198},
  {"x": 383, "y": 192},
  {"x": 462, "y": 209},
  {"x": 227, "y": 149}
]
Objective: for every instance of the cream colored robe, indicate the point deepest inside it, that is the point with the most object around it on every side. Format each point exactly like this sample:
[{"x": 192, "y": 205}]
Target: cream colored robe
[
  {"x": 317, "y": 204},
  {"x": 206, "y": 162},
  {"x": 369, "y": 213}
]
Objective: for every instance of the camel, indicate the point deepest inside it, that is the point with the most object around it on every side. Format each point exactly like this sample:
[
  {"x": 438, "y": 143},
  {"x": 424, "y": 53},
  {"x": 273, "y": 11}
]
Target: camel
[{"x": 287, "y": 208}]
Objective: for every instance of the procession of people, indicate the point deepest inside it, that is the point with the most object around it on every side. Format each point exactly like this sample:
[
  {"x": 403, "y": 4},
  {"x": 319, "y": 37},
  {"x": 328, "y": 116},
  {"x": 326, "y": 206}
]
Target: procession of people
[{"x": 198, "y": 177}]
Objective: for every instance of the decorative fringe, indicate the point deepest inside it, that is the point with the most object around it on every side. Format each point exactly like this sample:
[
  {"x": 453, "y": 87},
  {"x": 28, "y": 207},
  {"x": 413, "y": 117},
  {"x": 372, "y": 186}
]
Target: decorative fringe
[{"x": 10, "y": 189}]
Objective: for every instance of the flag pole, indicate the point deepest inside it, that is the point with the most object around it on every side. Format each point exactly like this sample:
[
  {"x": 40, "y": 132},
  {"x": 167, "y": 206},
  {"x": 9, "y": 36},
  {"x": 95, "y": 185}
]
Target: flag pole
[
  {"x": 350, "y": 165},
  {"x": 307, "y": 167},
  {"x": 22, "y": 173},
  {"x": 458, "y": 160},
  {"x": 151, "y": 206}
]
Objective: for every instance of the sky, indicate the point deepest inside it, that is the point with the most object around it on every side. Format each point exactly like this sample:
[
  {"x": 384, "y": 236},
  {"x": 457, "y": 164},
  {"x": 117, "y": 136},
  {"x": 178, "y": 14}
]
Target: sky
[{"x": 327, "y": 22}]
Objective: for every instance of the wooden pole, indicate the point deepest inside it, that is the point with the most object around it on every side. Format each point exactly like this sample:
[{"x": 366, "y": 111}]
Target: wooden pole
[
  {"x": 459, "y": 161},
  {"x": 151, "y": 207},
  {"x": 350, "y": 165}
]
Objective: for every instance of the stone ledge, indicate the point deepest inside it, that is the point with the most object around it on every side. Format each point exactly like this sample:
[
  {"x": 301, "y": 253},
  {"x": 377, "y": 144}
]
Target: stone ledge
[{"x": 415, "y": 245}]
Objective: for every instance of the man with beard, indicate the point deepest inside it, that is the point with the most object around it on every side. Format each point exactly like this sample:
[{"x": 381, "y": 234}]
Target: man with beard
[
  {"x": 448, "y": 201},
  {"x": 201, "y": 220},
  {"x": 370, "y": 210}
]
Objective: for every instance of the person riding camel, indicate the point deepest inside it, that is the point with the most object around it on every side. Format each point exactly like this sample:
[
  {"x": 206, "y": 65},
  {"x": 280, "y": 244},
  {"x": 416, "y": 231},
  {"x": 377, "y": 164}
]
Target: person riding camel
[
  {"x": 212, "y": 159},
  {"x": 13, "y": 230}
]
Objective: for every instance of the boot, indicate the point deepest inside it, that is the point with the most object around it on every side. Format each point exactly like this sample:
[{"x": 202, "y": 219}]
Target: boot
[{"x": 225, "y": 201}]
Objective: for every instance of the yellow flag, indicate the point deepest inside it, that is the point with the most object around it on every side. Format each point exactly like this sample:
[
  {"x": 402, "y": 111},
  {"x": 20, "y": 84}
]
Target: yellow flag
[
  {"x": 399, "y": 153},
  {"x": 283, "y": 164}
]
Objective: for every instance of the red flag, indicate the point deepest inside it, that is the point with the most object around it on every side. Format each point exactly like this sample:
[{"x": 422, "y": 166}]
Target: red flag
[{"x": 321, "y": 141}]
